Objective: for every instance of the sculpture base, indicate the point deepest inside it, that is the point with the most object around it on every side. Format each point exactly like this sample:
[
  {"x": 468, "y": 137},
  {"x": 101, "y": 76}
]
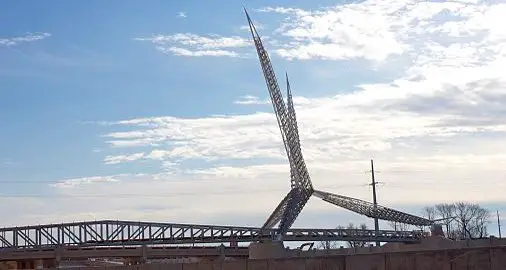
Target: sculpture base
[{"x": 267, "y": 250}]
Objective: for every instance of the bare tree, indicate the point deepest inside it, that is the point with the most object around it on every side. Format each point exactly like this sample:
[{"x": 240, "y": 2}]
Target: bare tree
[
  {"x": 398, "y": 226},
  {"x": 326, "y": 245},
  {"x": 472, "y": 220},
  {"x": 462, "y": 220},
  {"x": 446, "y": 212},
  {"x": 354, "y": 244},
  {"x": 335, "y": 244},
  {"x": 429, "y": 212}
]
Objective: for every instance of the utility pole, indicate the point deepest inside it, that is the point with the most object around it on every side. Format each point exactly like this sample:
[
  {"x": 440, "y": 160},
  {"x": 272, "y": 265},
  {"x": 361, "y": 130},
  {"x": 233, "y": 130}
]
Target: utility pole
[
  {"x": 499, "y": 224},
  {"x": 375, "y": 202}
]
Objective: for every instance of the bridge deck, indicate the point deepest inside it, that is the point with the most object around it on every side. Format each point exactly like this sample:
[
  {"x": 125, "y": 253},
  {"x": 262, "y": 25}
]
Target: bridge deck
[{"x": 127, "y": 233}]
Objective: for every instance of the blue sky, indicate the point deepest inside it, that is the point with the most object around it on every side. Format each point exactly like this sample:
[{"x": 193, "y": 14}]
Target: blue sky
[
  {"x": 95, "y": 71},
  {"x": 165, "y": 102}
]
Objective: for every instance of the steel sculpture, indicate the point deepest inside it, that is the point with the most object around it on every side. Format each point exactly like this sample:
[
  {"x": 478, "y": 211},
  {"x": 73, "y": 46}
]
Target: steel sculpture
[{"x": 301, "y": 190}]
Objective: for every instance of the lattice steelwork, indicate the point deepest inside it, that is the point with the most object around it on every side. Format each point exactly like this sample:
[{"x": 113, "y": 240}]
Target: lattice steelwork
[
  {"x": 301, "y": 187},
  {"x": 368, "y": 209},
  {"x": 131, "y": 233}
]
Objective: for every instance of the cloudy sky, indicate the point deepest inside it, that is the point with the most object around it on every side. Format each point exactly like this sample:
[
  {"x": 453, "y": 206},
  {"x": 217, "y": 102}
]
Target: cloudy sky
[{"x": 158, "y": 110}]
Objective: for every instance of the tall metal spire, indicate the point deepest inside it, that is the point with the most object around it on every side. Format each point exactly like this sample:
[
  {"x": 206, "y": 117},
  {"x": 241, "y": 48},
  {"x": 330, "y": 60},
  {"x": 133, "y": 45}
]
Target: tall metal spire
[
  {"x": 288, "y": 210},
  {"x": 301, "y": 187},
  {"x": 293, "y": 119}
]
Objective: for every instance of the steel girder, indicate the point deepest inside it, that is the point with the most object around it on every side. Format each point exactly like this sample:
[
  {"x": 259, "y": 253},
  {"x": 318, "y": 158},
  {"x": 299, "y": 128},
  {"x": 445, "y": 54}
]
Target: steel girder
[
  {"x": 131, "y": 233},
  {"x": 370, "y": 210}
]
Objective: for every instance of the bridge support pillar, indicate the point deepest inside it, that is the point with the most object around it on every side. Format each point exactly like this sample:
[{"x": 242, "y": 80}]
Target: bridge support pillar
[
  {"x": 35, "y": 264},
  {"x": 25, "y": 264},
  {"x": 222, "y": 256},
  {"x": 57, "y": 255},
  {"x": 50, "y": 263},
  {"x": 267, "y": 250},
  {"x": 8, "y": 265},
  {"x": 38, "y": 264},
  {"x": 144, "y": 257}
]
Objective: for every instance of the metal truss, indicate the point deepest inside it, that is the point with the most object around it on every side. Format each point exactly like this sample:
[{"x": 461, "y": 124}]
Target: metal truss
[
  {"x": 284, "y": 118},
  {"x": 278, "y": 213},
  {"x": 368, "y": 209},
  {"x": 301, "y": 185},
  {"x": 131, "y": 233},
  {"x": 111, "y": 232}
]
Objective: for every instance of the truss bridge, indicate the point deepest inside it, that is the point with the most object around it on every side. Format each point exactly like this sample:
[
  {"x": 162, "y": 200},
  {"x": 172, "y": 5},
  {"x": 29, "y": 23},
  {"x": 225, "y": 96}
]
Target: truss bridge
[{"x": 132, "y": 233}]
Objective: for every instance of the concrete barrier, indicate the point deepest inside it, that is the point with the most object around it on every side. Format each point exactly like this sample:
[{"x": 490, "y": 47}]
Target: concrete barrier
[
  {"x": 470, "y": 258},
  {"x": 434, "y": 254}
]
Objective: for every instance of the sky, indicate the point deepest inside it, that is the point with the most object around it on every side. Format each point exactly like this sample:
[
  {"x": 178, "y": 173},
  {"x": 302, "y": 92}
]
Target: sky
[{"x": 158, "y": 111}]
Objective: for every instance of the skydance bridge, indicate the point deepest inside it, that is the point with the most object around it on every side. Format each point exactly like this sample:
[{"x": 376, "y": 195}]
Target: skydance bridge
[
  {"x": 301, "y": 186},
  {"x": 128, "y": 233}
]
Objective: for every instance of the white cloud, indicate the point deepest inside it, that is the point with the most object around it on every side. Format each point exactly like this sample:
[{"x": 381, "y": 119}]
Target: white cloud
[
  {"x": 185, "y": 52},
  {"x": 7, "y": 162},
  {"x": 23, "y": 39},
  {"x": 258, "y": 26},
  {"x": 78, "y": 182},
  {"x": 373, "y": 30},
  {"x": 187, "y": 44},
  {"x": 177, "y": 197},
  {"x": 435, "y": 125},
  {"x": 443, "y": 112},
  {"x": 251, "y": 100},
  {"x": 376, "y": 30},
  {"x": 123, "y": 158},
  {"x": 181, "y": 14},
  {"x": 208, "y": 195},
  {"x": 284, "y": 10},
  {"x": 195, "y": 138},
  {"x": 342, "y": 125}
]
